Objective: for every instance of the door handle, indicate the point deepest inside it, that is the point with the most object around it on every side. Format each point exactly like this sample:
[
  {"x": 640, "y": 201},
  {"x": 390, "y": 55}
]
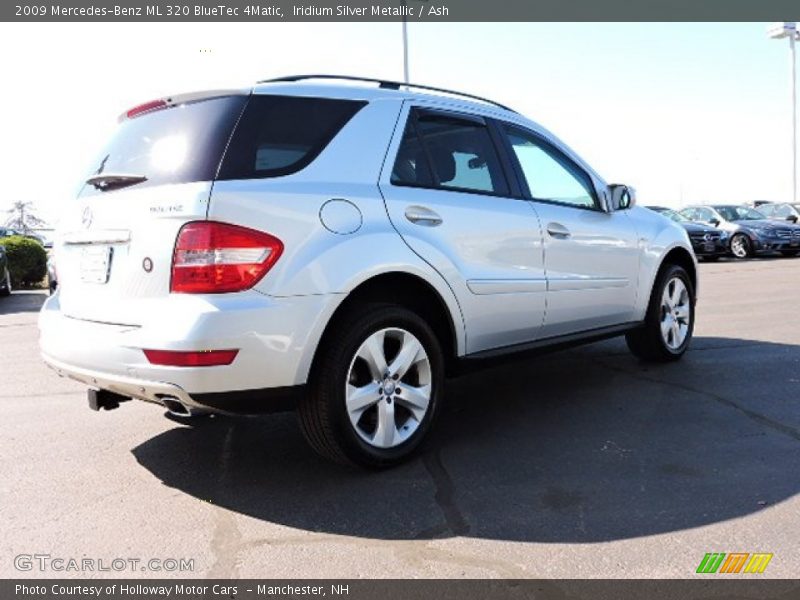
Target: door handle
[
  {"x": 558, "y": 231},
  {"x": 419, "y": 215}
]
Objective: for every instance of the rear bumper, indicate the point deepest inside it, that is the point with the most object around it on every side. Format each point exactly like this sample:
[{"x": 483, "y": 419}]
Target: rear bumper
[{"x": 276, "y": 338}]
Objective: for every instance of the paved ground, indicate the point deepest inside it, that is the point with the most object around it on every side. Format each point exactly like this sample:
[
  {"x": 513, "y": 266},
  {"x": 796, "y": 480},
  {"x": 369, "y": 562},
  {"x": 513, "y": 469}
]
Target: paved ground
[{"x": 581, "y": 464}]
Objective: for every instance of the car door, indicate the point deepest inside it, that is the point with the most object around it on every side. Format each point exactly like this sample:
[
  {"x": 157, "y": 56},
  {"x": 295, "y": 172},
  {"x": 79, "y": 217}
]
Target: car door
[
  {"x": 591, "y": 256},
  {"x": 454, "y": 202}
]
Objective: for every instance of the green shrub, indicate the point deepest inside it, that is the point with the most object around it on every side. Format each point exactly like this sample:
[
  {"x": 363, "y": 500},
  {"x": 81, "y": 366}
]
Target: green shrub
[{"x": 27, "y": 260}]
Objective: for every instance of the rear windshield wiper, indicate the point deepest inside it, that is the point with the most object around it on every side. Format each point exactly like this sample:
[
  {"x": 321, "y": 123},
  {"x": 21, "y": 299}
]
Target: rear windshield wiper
[{"x": 109, "y": 181}]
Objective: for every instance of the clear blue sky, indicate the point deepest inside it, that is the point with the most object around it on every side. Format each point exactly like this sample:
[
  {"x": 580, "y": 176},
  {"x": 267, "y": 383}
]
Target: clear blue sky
[{"x": 685, "y": 112}]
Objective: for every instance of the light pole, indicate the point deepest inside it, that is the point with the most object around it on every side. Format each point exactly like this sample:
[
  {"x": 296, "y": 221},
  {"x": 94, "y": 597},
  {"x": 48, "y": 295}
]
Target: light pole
[
  {"x": 776, "y": 32},
  {"x": 403, "y": 3},
  {"x": 405, "y": 44}
]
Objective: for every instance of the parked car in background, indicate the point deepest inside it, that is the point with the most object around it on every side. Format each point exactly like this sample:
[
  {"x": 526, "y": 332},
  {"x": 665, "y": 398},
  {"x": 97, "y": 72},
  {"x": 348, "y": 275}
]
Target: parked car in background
[
  {"x": 781, "y": 212},
  {"x": 341, "y": 248},
  {"x": 751, "y": 231},
  {"x": 5, "y": 275},
  {"x": 708, "y": 243}
]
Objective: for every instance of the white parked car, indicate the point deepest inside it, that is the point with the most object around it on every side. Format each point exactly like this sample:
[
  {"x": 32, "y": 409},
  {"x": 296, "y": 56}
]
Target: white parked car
[{"x": 340, "y": 248}]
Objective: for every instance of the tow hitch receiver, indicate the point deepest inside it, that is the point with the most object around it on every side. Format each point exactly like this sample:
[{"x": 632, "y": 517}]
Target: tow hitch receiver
[{"x": 104, "y": 399}]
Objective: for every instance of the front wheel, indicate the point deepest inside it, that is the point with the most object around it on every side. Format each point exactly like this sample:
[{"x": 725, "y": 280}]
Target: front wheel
[
  {"x": 669, "y": 322},
  {"x": 375, "y": 388},
  {"x": 741, "y": 246}
]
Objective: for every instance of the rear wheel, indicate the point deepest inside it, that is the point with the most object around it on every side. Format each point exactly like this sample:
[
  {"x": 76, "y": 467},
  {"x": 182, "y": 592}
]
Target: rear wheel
[
  {"x": 375, "y": 389},
  {"x": 5, "y": 288},
  {"x": 741, "y": 246},
  {"x": 669, "y": 322}
]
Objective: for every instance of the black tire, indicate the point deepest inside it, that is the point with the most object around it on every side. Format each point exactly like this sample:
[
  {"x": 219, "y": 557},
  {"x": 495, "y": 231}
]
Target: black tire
[
  {"x": 789, "y": 253},
  {"x": 710, "y": 258},
  {"x": 6, "y": 289},
  {"x": 746, "y": 245},
  {"x": 647, "y": 342},
  {"x": 322, "y": 411}
]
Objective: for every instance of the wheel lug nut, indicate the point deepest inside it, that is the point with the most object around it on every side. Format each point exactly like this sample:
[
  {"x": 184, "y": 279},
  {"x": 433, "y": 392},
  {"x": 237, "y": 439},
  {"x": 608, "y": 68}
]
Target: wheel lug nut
[{"x": 395, "y": 376}]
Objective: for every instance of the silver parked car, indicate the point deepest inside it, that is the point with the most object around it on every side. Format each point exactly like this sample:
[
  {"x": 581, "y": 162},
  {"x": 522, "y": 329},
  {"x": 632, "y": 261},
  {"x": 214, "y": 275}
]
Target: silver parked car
[{"x": 341, "y": 248}]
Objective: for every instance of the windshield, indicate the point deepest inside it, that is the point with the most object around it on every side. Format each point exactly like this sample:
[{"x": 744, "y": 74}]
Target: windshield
[
  {"x": 739, "y": 213},
  {"x": 179, "y": 144}
]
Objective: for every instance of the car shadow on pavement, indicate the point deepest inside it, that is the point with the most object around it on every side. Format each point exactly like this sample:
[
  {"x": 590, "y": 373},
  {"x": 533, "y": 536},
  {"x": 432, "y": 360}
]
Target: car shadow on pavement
[
  {"x": 580, "y": 446},
  {"x": 23, "y": 301}
]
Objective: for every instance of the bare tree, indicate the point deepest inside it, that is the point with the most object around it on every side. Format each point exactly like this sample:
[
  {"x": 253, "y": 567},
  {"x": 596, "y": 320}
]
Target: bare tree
[{"x": 22, "y": 217}]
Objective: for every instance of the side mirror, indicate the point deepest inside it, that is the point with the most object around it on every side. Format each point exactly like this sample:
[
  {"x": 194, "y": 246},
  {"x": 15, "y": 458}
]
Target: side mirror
[
  {"x": 792, "y": 218},
  {"x": 714, "y": 222},
  {"x": 621, "y": 197}
]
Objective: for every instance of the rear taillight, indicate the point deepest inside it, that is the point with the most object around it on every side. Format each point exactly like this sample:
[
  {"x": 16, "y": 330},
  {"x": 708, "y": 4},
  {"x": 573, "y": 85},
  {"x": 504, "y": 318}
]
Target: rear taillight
[
  {"x": 200, "y": 358},
  {"x": 214, "y": 258}
]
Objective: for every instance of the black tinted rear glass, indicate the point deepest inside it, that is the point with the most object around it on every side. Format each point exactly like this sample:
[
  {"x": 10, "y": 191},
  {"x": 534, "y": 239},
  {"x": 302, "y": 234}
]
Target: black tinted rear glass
[
  {"x": 279, "y": 135},
  {"x": 179, "y": 144}
]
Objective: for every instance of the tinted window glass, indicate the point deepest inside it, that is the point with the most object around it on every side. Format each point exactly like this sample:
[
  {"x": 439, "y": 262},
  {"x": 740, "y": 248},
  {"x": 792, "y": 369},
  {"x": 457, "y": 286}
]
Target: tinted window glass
[
  {"x": 173, "y": 145},
  {"x": 550, "y": 175},
  {"x": 279, "y": 135},
  {"x": 411, "y": 164},
  {"x": 450, "y": 153}
]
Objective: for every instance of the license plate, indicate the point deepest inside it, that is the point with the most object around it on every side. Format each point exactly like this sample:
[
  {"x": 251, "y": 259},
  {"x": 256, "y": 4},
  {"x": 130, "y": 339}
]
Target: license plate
[
  {"x": 708, "y": 246},
  {"x": 96, "y": 264}
]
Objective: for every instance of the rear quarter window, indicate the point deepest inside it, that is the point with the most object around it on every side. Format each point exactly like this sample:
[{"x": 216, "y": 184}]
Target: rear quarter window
[{"x": 280, "y": 135}]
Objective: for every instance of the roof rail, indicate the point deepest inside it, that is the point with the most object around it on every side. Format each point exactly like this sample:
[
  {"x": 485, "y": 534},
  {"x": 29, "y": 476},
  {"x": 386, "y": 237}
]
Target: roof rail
[{"x": 385, "y": 84}]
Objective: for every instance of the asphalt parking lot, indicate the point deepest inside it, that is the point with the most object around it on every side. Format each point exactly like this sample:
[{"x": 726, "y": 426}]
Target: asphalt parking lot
[{"x": 583, "y": 463}]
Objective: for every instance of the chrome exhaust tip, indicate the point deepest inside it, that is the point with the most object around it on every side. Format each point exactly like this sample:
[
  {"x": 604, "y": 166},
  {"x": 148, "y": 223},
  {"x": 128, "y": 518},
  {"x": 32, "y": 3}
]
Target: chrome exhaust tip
[{"x": 175, "y": 407}]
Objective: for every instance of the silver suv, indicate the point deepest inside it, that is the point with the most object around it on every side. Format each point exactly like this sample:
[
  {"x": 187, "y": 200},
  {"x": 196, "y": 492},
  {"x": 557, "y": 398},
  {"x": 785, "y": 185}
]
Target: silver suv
[{"x": 340, "y": 247}]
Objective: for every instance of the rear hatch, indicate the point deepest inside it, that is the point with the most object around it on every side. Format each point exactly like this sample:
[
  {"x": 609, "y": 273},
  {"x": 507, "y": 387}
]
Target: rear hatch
[{"x": 116, "y": 239}]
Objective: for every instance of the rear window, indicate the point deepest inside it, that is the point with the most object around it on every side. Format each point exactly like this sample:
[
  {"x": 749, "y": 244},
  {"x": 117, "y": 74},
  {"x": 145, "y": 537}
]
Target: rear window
[
  {"x": 179, "y": 144},
  {"x": 280, "y": 135}
]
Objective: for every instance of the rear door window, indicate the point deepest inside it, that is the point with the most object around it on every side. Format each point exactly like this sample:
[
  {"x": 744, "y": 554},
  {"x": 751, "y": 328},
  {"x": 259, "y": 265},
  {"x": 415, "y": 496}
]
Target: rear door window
[
  {"x": 280, "y": 135},
  {"x": 449, "y": 151},
  {"x": 179, "y": 144}
]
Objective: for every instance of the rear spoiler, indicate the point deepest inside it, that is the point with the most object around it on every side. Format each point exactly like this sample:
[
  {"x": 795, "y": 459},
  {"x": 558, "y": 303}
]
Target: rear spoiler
[{"x": 170, "y": 101}]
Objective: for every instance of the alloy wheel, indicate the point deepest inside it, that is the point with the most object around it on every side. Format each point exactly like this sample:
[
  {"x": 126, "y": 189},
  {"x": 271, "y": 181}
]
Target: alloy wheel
[
  {"x": 389, "y": 387},
  {"x": 739, "y": 246},
  {"x": 675, "y": 313}
]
